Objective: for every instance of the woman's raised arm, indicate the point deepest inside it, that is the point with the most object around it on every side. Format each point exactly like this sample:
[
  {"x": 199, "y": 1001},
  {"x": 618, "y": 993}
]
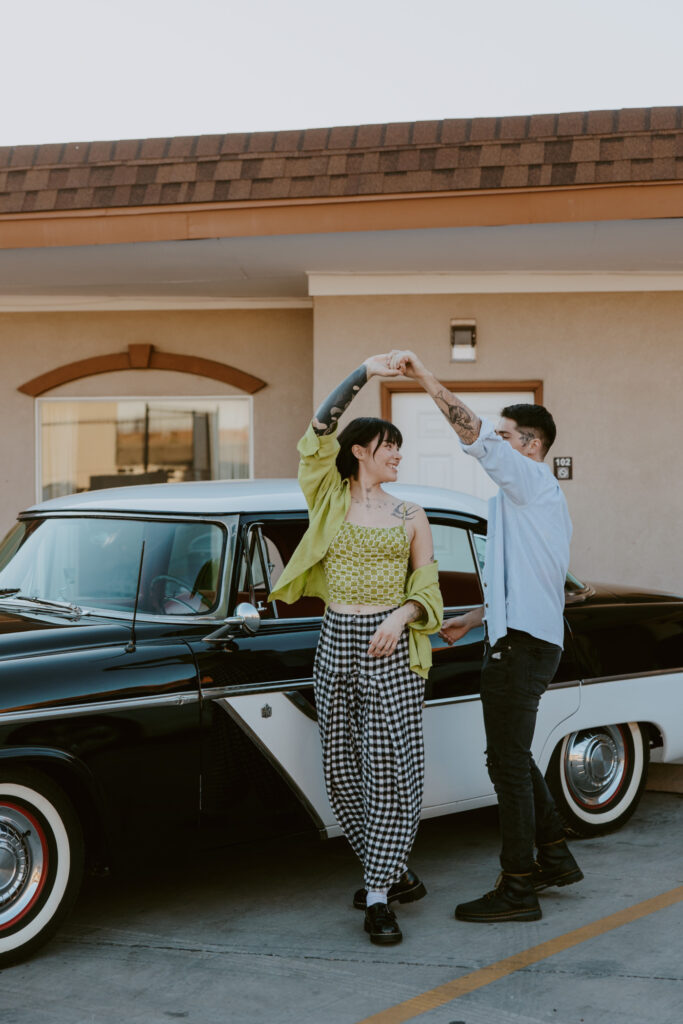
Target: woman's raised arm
[{"x": 327, "y": 416}]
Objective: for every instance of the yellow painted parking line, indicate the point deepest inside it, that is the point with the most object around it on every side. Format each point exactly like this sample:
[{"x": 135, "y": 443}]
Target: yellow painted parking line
[{"x": 435, "y": 997}]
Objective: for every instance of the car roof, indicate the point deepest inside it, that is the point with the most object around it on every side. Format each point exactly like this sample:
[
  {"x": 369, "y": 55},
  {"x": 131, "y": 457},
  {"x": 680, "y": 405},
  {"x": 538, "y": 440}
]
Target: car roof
[{"x": 223, "y": 497}]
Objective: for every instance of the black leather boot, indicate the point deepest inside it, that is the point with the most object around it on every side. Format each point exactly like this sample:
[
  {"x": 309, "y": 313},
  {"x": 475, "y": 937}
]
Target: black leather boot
[
  {"x": 406, "y": 890},
  {"x": 555, "y": 866},
  {"x": 513, "y": 899},
  {"x": 381, "y": 925}
]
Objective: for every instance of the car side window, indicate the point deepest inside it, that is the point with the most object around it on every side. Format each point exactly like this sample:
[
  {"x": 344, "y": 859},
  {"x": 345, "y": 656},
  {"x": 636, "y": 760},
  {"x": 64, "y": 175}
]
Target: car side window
[
  {"x": 267, "y": 548},
  {"x": 268, "y": 544},
  {"x": 456, "y": 670},
  {"x": 195, "y": 557},
  {"x": 458, "y": 576}
]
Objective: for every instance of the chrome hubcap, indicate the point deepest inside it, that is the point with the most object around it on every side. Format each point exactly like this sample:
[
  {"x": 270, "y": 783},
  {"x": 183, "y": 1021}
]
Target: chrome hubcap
[
  {"x": 595, "y": 765},
  {"x": 21, "y": 862}
]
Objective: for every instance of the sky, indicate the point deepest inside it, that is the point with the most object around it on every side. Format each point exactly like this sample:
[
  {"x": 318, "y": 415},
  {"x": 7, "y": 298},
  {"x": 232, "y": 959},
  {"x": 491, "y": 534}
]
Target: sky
[{"x": 82, "y": 70}]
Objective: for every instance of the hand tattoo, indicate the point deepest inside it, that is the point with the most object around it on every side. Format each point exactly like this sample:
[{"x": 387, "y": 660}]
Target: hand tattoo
[{"x": 327, "y": 416}]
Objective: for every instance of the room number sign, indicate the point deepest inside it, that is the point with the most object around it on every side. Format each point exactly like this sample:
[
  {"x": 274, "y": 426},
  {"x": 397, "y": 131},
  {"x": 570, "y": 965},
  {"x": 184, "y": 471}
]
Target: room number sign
[{"x": 562, "y": 465}]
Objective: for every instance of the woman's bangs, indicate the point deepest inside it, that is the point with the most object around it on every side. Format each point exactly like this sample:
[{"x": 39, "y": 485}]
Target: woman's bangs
[{"x": 389, "y": 434}]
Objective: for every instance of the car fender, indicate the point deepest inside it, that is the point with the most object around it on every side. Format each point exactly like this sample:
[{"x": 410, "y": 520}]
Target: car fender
[
  {"x": 612, "y": 700},
  {"x": 75, "y": 779}
]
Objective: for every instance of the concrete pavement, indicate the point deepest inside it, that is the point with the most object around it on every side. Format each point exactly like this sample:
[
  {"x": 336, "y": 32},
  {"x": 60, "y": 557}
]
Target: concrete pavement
[{"x": 268, "y": 936}]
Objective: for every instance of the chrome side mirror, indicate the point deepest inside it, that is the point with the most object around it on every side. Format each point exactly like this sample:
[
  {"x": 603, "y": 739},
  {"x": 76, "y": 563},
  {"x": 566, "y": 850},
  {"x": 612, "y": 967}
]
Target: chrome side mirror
[
  {"x": 245, "y": 620},
  {"x": 247, "y": 617}
]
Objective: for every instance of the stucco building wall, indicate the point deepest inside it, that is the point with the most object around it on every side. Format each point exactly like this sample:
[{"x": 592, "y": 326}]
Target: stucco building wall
[
  {"x": 612, "y": 370},
  {"x": 610, "y": 364},
  {"x": 275, "y": 345}
]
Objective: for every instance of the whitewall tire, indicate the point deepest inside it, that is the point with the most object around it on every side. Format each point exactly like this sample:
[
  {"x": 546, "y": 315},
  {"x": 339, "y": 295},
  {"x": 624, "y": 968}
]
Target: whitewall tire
[
  {"x": 597, "y": 776},
  {"x": 41, "y": 861}
]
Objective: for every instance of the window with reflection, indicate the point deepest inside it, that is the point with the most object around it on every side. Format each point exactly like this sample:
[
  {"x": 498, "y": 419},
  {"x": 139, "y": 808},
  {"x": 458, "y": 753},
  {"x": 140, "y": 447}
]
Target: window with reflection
[
  {"x": 94, "y": 563},
  {"x": 480, "y": 548},
  {"x": 458, "y": 576},
  {"x": 88, "y": 444},
  {"x": 267, "y": 548},
  {"x": 11, "y": 542}
]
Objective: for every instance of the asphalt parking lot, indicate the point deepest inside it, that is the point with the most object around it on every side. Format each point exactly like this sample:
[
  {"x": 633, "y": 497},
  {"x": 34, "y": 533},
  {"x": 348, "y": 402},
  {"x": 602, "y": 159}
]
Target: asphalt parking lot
[{"x": 268, "y": 936}]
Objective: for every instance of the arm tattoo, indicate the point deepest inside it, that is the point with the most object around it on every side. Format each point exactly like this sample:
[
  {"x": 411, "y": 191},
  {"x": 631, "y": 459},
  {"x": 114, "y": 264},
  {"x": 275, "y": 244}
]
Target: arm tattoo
[
  {"x": 325, "y": 419},
  {"x": 414, "y": 611},
  {"x": 464, "y": 422}
]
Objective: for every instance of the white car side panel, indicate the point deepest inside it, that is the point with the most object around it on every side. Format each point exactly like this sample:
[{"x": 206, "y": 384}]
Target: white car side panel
[
  {"x": 556, "y": 709},
  {"x": 638, "y": 699},
  {"x": 458, "y": 806},
  {"x": 455, "y": 759},
  {"x": 455, "y": 764},
  {"x": 293, "y": 740}
]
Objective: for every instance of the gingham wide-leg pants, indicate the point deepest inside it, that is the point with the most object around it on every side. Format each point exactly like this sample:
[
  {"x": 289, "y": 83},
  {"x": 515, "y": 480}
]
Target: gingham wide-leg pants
[{"x": 370, "y": 716}]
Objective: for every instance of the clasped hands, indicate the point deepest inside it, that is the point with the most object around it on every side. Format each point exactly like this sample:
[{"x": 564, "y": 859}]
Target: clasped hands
[
  {"x": 397, "y": 363},
  {"x": 388, "y": 634}
]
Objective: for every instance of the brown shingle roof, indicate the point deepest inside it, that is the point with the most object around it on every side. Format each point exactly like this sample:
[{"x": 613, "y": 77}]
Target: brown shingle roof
[{"x": 596, "y": 147}]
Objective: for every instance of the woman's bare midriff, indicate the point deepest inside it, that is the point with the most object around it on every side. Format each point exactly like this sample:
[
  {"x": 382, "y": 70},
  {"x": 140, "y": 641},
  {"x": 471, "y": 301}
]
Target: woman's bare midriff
[{"x": 360, "y": 609}]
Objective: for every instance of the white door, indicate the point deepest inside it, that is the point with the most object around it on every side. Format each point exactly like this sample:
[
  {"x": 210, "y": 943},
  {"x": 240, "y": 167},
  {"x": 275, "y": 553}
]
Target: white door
[{"x": 431, "y": 450}]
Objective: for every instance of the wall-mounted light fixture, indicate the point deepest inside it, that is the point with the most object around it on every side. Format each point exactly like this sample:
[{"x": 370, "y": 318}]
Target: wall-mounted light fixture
[{"x": 463, "y": 341}]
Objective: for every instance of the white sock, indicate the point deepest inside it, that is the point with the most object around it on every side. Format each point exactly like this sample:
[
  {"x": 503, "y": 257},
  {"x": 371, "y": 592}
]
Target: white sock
[{"x": 376, "y": 896}]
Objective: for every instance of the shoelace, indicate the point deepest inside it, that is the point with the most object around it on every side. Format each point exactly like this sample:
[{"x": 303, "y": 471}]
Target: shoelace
[{"x": 497, "y": 886}]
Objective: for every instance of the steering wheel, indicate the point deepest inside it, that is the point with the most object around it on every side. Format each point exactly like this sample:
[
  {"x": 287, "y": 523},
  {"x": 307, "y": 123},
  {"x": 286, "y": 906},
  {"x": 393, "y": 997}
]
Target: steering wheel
[{"x": 185, "y": 585}]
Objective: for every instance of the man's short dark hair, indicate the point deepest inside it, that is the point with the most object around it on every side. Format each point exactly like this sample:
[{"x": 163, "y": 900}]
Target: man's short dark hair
[
  {"x": 534, "y": 417},
  {"x": 362, "y": 431}
]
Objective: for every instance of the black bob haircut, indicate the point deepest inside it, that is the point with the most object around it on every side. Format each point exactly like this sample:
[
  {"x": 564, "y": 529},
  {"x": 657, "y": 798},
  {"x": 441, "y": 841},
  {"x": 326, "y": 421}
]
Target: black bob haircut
[
  {"x": 363, "y": 430},
  {"x": 534, "y": 417}
]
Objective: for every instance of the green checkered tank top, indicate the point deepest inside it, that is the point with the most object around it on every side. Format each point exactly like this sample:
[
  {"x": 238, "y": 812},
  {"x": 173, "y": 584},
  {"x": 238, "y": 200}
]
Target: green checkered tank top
[{"x": 368, "y": 564}]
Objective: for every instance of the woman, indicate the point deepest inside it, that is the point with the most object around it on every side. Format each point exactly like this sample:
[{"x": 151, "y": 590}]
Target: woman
[{"x": 374, "y": 651}]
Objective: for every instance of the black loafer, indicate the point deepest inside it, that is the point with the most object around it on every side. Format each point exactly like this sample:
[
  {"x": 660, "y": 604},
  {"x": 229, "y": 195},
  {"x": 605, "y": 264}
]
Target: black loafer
[
  {"x": 408, "y": 889},
  {"x": 381, "y": 925}
]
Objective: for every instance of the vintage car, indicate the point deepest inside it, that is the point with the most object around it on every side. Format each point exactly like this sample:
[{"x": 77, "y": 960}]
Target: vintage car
[{"x": 152, "y": 700}]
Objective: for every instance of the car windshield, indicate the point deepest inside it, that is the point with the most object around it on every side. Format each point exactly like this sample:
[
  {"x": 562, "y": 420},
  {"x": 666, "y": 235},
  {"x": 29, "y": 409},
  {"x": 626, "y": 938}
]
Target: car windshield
[{"x": 94, "y": 563}]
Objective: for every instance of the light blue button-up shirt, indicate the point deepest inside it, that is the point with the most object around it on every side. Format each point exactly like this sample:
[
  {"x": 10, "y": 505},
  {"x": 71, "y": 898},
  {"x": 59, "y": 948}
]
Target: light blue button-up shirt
[{"x": 527, "y": 548}]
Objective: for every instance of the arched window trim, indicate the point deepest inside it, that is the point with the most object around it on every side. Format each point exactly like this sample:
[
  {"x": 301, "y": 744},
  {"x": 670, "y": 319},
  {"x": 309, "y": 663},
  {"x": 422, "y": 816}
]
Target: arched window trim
[{"x": 142, "y": 357}]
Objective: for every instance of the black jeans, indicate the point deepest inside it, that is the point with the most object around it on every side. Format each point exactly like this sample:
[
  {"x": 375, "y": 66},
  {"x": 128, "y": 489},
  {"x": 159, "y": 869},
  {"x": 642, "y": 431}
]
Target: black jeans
[{"x": 515, "y": 675}]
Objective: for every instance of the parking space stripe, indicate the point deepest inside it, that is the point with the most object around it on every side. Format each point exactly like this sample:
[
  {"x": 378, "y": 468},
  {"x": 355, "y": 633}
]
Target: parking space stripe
[{"x": 452, "y": 990}]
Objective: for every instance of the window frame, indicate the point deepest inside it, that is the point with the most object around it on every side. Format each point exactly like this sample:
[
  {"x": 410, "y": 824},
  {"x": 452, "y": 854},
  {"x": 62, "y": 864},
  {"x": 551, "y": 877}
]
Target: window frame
[
  {"x": 458, "y": 387},
  {"x": 468, "y": 523},
  {"x": 247, "y": 523}
]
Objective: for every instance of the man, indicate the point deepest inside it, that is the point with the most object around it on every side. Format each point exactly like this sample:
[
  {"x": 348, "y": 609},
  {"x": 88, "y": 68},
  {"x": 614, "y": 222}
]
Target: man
[{"x": 527, "y": 558}]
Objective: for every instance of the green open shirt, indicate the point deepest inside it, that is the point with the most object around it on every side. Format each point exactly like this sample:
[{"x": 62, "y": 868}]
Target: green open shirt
[{"x": 328, "y": 498}]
